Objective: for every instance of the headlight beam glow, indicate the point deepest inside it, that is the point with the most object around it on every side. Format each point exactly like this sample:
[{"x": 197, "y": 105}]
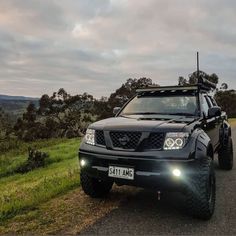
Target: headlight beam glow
[
  {"x": 176, "y": 172},
  {"x": 82, "y": 163}
]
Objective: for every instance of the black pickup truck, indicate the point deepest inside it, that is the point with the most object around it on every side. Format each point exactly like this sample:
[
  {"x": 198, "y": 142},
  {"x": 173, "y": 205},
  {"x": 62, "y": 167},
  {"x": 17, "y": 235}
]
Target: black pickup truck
[{"x": 163, "y": 138}]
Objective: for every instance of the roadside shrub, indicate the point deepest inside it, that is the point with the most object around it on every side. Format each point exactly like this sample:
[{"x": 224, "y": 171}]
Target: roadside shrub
[{"x": 36, "y": 159}]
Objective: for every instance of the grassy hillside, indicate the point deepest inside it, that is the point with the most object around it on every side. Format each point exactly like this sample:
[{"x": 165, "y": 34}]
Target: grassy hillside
[
  {"x": 13, "y": 153},
  {"x": 20, "y": 192}
]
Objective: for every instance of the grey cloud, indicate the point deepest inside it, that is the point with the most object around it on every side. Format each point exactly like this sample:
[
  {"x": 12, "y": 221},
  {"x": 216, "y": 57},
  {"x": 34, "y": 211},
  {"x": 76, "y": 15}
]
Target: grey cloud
[
  {"x": 95, "y": 45},
  {"x": 40, "y": 12}
]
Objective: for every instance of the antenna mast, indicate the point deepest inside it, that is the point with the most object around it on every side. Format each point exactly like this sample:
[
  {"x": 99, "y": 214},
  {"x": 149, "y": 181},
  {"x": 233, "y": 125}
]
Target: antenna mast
[{"x": 198, "y": 65}]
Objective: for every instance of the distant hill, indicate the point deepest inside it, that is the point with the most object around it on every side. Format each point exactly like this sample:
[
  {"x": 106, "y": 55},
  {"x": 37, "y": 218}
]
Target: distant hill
[
  {"x": 18, "y": 98},
  {"x": 15, "y": 105}
]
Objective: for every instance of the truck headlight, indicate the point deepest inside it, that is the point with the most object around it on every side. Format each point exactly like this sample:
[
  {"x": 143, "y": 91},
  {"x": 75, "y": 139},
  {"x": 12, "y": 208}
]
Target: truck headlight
[
  {"x": 90, "y": 136},
  {"x": 175, "y": 140}
]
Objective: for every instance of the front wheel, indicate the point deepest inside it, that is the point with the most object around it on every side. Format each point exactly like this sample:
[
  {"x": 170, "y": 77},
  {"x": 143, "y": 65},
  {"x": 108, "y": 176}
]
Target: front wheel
[
  {"x": 225, "y": 155},
  {"x": 201, "y": 190},
  {"x": 93, "y": 187}
]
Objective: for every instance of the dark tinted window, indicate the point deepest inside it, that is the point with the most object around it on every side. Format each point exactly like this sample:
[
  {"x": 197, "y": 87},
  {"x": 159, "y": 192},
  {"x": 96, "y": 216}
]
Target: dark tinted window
[
  {"x": 213, "y": 101},
  {"x": 205, "y": 105},
  {"x": 208, "y": 101}
]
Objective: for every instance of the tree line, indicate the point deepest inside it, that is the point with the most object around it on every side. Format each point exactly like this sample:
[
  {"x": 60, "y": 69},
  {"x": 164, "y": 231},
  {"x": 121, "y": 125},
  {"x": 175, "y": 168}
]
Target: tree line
[
  {"x": 66, "y": 115},
  {"x": 225, "y": 98}
]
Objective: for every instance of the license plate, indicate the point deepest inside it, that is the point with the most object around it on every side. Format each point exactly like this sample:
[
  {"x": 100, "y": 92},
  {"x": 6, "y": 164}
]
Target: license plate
[{"x": 121, "y": 172}]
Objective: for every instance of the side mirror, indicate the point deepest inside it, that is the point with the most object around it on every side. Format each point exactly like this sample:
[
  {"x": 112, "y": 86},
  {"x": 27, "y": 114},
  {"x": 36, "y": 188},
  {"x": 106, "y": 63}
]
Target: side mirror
[
  {"x": 214, "y": 111},
  {"x": 116, "y": 110}
]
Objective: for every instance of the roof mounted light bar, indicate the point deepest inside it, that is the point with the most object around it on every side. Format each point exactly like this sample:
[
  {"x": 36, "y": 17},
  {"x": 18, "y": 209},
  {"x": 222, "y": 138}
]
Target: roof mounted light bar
[
  {"x": 203, "y": 84},
  {"x": 167, "y": 88}
]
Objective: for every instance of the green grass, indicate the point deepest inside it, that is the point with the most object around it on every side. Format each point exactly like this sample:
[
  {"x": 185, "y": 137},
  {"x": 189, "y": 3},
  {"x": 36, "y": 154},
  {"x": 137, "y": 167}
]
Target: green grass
[
  {"x": 21, "y": 192},
  {"x": 58, "y": 149},
  {"x": 15, "y": 146}
]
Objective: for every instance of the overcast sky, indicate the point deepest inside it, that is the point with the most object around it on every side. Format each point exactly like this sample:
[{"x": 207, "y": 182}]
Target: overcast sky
[{"x": 95, "y": 45}]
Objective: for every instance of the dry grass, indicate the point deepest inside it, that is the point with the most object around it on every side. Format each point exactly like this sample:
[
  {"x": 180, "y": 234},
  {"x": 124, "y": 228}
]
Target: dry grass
[
  {"x": 67, "y": 214},
  {"x": 232, "y": 121}
]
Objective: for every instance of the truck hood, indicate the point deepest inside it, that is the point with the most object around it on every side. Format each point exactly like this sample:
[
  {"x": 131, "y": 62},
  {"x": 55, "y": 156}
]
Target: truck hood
[{"x": 141, "y": 123}]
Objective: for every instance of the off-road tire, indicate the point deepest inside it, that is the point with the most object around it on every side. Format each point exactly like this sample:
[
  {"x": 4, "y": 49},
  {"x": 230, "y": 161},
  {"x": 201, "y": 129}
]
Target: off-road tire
[
  {"x": 201, "y": 191},
  {"x": 93, "y": 187},
  {"x": 225, "y": 155}
]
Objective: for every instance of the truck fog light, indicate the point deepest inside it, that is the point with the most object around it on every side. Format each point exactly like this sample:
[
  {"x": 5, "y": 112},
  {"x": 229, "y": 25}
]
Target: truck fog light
[
  {"x": 176, "y": 172},
  {"x": 82, "y": 163}
]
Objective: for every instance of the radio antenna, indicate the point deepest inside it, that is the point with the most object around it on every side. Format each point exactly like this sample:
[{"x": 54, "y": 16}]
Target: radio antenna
[{"x": 198, "y": 65}]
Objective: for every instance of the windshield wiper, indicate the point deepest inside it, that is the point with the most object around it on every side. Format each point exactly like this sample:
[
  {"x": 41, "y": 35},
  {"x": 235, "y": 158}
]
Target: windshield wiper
[
  {"x": 159, "y": 113},
  {"x": 145, "y": 113},
  {"x": 181, "y": 114}
]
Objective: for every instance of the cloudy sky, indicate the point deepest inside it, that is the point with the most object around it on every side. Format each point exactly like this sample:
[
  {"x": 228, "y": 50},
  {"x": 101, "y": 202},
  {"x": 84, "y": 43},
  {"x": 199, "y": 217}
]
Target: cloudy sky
[{"x": 95, "y": 45}]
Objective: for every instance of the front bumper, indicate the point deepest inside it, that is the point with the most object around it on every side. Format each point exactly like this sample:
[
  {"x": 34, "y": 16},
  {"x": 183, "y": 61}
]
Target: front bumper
[{"x": 148, "y": 173}]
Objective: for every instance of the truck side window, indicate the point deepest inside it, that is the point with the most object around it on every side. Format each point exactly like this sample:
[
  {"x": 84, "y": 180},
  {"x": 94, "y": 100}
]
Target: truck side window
[
  {"x": 209, "y": 101},
  {"x": 213, "y": 101},
  {"x": 205, "y": 106}
]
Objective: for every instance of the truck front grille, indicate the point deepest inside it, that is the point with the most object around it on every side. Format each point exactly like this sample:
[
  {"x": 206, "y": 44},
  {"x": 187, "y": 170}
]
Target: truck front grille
[
  {"x": 125, "y": 140},
  {"x": 99, "y": 137},
  {"x": 131, "y": 140},
  {"x": 155, "y": 141}
]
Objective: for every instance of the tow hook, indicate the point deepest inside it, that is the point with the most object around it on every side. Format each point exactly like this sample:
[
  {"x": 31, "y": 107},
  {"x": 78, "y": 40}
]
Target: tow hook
[{"x": 159, "y": 195}]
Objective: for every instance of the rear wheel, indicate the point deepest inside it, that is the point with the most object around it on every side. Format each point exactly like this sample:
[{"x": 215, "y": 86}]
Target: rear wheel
[
  {"x": 225, "y": 156},
  {"x": 93, "y": 187},
  {"x": 201, "y": 191}
]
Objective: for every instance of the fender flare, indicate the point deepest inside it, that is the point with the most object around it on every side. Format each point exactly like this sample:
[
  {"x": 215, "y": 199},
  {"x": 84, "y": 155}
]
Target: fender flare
[
  {"x": 203, "y": 147},
  {"x": 225, "y": 133}
]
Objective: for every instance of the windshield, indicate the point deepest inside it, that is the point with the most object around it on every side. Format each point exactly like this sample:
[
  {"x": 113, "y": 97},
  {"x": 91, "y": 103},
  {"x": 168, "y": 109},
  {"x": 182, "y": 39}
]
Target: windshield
[{"x": 167, "y": 105}]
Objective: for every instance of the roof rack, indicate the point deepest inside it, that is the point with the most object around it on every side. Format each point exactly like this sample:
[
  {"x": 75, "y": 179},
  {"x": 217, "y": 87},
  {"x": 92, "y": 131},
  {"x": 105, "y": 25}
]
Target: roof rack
[
  {"x": 167, "y": 88},
  {"x": 203, "y": 84}
]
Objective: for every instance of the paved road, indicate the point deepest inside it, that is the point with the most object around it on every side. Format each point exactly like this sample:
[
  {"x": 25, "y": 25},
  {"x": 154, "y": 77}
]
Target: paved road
[{"x": 142, "y": 214}]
